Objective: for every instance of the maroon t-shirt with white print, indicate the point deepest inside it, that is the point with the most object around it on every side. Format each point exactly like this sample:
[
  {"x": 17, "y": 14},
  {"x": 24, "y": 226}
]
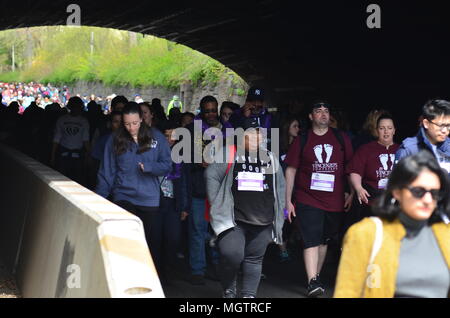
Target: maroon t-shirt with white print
[
  {"x": 373, "y": 162},
  {"x": 320, "y": 177}
]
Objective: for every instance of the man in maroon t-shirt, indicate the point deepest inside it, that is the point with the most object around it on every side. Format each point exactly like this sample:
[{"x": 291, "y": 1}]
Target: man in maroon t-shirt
[{"x": 318, "y": 168}]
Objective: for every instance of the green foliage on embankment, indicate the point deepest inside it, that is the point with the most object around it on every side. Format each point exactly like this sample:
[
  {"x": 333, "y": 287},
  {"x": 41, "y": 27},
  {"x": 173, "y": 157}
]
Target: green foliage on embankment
[{"x": 64, "y": 55}]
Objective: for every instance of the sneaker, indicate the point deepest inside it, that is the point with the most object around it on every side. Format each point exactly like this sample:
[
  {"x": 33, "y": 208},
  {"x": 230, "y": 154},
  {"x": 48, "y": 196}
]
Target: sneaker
[
  {"x": 284, "y": 257},
  {"x": 314, "y": 288},
  {"x": 197, "y": 280},
  {"x": 229, "y": 293},
  {"x": 320, "y": 282}
]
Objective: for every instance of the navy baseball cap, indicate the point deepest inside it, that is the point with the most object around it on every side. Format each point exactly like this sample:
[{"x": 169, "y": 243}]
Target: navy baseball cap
[{"x": 255, "y": 93}]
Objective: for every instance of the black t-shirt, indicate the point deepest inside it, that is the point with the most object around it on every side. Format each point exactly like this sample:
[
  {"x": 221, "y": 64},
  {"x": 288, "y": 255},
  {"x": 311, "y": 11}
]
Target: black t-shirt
[{"x": 254, "y": 207}]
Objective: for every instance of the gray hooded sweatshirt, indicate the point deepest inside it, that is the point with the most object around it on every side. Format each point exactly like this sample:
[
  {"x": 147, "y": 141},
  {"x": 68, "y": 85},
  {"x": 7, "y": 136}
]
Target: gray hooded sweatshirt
[{"x": 218, "y": 188}]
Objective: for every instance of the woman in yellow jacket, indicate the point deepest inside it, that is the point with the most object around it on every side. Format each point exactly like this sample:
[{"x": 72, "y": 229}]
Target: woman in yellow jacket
[{"x": 405, "y": 252}]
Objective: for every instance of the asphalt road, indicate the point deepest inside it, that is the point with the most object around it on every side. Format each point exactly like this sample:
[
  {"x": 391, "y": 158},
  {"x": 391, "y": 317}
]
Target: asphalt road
[{"x": 283, "y": 280}]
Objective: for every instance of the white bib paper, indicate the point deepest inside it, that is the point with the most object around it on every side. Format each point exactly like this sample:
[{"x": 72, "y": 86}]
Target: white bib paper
[
  {"x": 322, "y": 182},
  {"x": 250, "y": 181}
]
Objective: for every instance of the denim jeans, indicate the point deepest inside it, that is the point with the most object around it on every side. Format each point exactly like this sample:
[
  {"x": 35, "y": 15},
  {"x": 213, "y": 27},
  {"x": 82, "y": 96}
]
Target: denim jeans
[
  {"x": 198, "y": 235},
  {"x": 198, "y": 228}
]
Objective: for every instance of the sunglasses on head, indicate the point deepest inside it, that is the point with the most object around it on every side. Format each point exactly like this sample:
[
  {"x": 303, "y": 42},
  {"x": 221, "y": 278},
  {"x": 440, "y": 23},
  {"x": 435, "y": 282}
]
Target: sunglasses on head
[{"x": 419, "y": 192}]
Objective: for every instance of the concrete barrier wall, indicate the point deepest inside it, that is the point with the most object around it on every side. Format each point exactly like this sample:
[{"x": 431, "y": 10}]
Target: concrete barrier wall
[{"x": 62, "y": 240}]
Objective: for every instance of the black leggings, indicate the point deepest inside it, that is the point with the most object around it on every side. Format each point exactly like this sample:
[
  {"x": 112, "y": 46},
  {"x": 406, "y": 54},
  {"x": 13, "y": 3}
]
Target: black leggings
[{"x": 244, "y": 244}]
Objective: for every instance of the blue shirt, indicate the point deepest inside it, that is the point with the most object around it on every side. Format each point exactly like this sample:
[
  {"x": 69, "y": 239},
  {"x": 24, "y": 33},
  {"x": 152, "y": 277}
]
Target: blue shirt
[
  {"x": 121, "y": 176},
  {"x": 98, "y": 152}
]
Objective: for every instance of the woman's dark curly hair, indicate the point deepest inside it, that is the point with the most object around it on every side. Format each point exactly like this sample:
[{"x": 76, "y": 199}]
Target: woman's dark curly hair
[
  {"x": 123, "y": 139},
  {"x": 403, "y": 174}
]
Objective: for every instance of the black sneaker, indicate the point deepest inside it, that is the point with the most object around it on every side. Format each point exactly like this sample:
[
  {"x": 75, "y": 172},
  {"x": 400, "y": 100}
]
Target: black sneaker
[
  {"x": 320, "y": 282},
  {"x": 315, "y": 288}
]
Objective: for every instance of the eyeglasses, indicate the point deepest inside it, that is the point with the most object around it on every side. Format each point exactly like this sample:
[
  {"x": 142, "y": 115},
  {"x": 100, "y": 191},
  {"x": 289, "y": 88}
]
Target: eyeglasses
[
  {"x": 207, "y": 111},
  {"x": 419, "y": 192},
  {"x": 441, "y": 126}
]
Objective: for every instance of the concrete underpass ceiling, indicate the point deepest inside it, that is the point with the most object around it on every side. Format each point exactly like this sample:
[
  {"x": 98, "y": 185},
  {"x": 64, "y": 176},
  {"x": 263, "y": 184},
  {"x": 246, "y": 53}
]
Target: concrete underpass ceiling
[{"x": 289, "y": 46}]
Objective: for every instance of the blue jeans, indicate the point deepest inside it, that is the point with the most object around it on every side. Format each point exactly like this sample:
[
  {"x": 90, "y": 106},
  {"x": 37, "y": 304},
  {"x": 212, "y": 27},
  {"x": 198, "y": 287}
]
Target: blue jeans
[{"x": 198, "y": 234}]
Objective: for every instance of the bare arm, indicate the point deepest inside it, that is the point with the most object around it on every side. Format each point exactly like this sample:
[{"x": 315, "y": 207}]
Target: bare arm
[
  {"x": 356, "y": 181},
  {"x": 290, "y": 178}
]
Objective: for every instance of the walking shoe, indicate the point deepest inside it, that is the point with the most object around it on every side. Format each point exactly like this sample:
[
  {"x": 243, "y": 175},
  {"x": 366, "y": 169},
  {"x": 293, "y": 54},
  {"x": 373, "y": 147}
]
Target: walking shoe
[
  {"x": 320, "y": 282},
  {"x": 314, "y": 288},
  {"x": 229, "y": 293},
  {"x": 197, "y": 280},
  {"x": 284, "y": 257}
]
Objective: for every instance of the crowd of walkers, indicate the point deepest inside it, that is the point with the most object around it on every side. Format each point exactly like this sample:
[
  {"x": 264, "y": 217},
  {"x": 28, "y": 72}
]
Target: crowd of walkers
[
  {"x": 25, "y": 93},
  {"x": 383, "y": 206}
]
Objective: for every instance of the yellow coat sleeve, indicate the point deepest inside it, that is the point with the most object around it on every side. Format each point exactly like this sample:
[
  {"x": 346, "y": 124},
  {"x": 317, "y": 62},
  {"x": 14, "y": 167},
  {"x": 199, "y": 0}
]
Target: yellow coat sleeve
[{"x": 352, "y": 272}]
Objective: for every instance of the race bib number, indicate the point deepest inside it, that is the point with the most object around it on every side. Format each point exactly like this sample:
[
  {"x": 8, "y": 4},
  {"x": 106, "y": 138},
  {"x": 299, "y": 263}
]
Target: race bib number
[
  {"x": 382, "y": 184},
  {"x": 322, "y": 182},
  {"x": 250, "y": 181}
]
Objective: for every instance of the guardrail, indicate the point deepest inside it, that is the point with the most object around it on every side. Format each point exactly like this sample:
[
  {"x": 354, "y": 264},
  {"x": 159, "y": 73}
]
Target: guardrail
[{"x": 60, "y": 239}]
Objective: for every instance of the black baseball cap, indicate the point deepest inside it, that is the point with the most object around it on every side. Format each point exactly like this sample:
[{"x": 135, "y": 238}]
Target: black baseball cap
[
  {"x": 320, "y": 103},
  {"x": 255, "y": 93}
]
